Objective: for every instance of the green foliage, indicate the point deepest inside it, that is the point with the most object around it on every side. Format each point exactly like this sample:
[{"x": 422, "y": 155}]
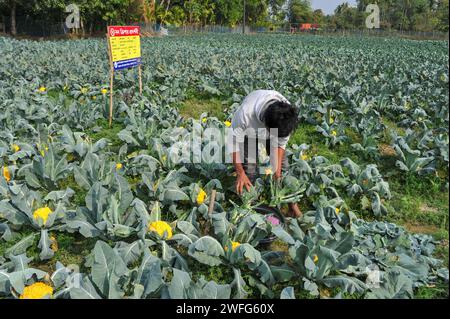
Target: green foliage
[
  {"x": 412, "y": 15},
  {"x": 194, "y": 108},
  {"x": 299, "y": 11},
  {"x": 417, "y": 15}
]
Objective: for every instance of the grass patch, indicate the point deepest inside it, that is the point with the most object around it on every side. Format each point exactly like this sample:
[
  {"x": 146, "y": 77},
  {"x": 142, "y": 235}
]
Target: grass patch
[
  {"x": 70, "y": 249},
  {"x": 107, "y": 132},
  {"x": 391, "y": 127},
  {"x": 57, "y": 95},
  {"x": 221, "y": 274},
  {"x": 416, "y": 210},
  {"x": 279, "y": 245},
  {"x": 194, "y": 107},
  {"x": 110, "y": 133},
  {"x": 442, "y": 252},
  {"x": 429, "y": 186},
  {"x": 439, "y": 291},
  {"x": 80, "y": 194},
  {"x": 307, "y": 134},
  {"x": 419, "y": 201}
]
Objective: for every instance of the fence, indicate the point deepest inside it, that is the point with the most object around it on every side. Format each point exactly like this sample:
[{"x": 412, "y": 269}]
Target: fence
[
  {"x": 387, "y": 33},
  {"x": 28, "y": 27},
  {"x": 35, "y": 28},
  {"x": 291, "y": 28},
  {"x": 187, "y": 29}
]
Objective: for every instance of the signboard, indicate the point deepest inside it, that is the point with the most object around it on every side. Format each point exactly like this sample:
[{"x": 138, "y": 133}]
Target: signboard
[
  {"x": 124, "y": 50},
  {"x": 125, "y": 46}
]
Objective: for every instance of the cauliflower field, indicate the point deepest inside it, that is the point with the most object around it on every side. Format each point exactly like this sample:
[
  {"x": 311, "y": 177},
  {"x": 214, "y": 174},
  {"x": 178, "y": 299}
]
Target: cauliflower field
[{"x": 92, "y": 211}]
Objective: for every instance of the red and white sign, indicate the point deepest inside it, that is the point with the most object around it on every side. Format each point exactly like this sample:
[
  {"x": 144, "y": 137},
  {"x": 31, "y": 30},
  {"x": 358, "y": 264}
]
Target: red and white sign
[{"x": 124, "y": 31}]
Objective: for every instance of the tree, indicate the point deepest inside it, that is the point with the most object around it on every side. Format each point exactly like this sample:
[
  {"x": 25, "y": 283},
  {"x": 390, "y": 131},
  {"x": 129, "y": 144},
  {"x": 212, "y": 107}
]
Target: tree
[
  {"x": 347, "y": 17},
  {"x": 276, "y": 10},
  {"x": 418, "y": 15},
  {"x": 257, "y": 12},
  {"x": 299, "y": 11},
  {"x": 13, "y": 17},
  {"x": 318, "y": 17},
  {"x": 193, "y": 10},
  {"x": 229, "y": 12},
  {"x": 442, "y": 9},
  {"x": 12, "y": 6}
]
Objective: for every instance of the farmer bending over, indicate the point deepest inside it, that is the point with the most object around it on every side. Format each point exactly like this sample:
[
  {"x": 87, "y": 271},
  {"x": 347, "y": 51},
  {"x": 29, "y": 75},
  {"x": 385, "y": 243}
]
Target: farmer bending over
[{"x": 268, "y": 118}]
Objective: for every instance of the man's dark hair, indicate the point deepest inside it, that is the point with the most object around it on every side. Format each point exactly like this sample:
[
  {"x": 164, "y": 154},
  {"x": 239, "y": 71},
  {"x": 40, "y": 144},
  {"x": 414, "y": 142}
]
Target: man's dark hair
[{"x": 282, "y": 116}]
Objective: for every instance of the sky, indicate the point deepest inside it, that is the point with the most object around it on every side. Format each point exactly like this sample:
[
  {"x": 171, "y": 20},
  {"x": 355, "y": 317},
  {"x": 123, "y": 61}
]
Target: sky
[{"x": 328, "y": 6}]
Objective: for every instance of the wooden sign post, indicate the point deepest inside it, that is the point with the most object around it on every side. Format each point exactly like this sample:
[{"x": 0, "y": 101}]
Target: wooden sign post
[{"x": 124, "y": 51}]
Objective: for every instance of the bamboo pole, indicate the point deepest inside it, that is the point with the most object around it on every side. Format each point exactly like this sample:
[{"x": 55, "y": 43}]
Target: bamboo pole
[
  {"x": 111, "y": 80},
  {"x": 111, "y": 87},
  {"x": 211, "y": 202},
  {"x": 210, "y": 211},
  {"x": 140, "y": 79}
]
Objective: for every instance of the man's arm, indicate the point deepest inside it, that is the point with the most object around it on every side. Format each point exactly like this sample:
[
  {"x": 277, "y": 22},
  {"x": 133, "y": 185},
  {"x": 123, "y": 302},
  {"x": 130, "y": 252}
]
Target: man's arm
[
  {"x": 241, "y": 180},
  {"x": 280, "y": 157}
]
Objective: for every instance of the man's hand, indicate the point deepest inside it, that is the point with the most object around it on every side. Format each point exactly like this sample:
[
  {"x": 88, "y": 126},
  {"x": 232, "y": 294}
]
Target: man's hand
[
  {"x": 242, "y": 178},
  {"x": 294, "y": 211},
  {"x": 279, "y": 164},
  {"x": 241, "y": 182}
]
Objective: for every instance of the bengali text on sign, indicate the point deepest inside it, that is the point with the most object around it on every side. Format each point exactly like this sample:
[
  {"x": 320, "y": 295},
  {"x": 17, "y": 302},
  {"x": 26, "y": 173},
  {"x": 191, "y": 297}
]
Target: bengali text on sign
[{"x": 125, "y": 45}]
